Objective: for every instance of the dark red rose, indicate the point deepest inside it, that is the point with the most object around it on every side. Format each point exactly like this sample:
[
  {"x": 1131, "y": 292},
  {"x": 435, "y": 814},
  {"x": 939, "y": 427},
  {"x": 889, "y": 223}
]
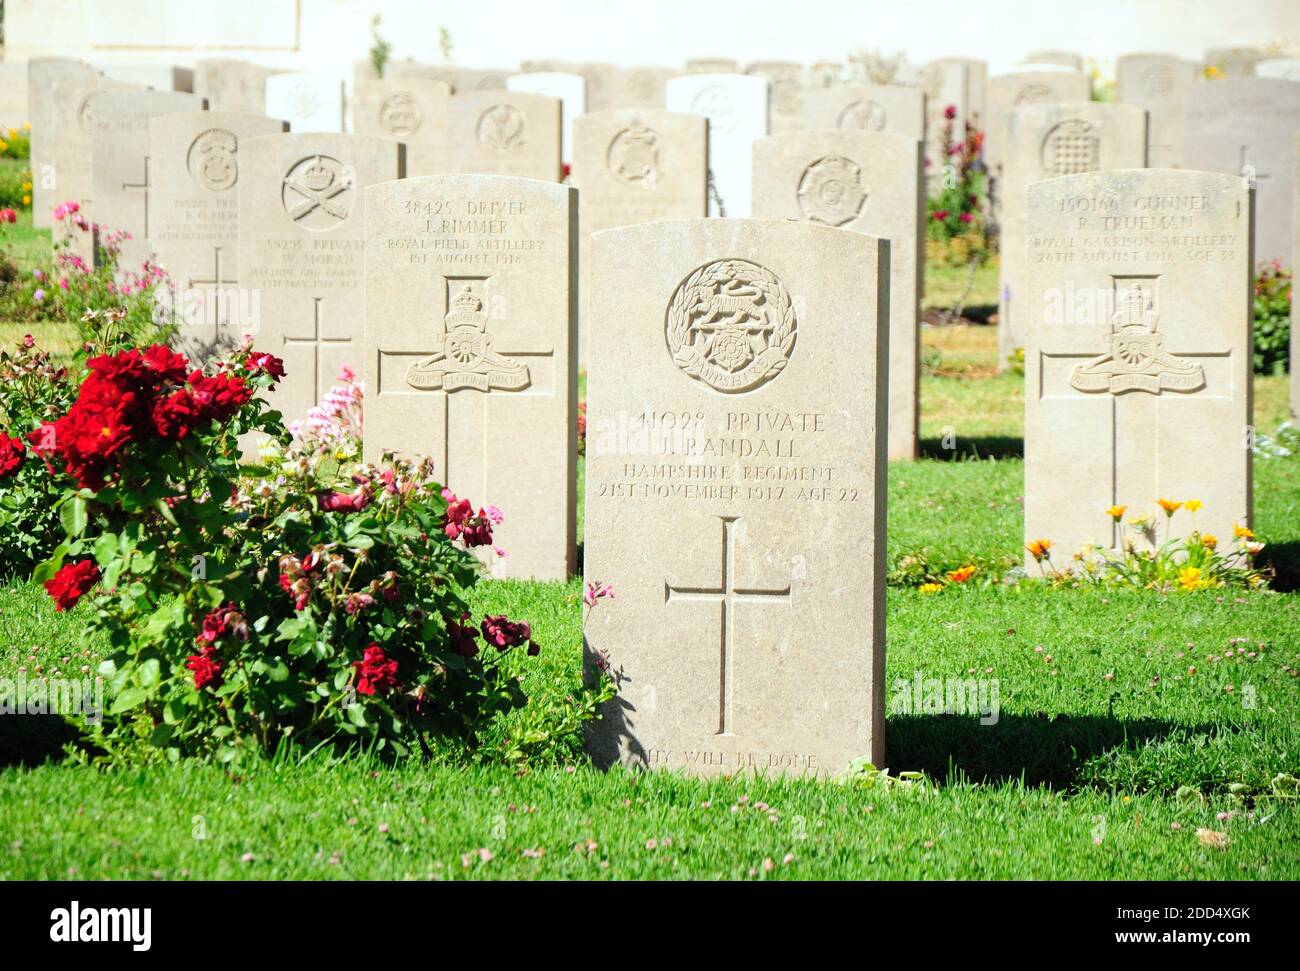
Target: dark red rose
[
  {"x": 464, "y": 524},
  {"x": 375, "y": 673},
  {"x": 502, "y": 632},
  {"x": 12, "y": 453},
  {"x": 166, "y": 364},
  {"x": 266, "y": 364},
  {"x": 464, "y": 638},
  {"x": 176, "y": 415},
  {"x": 71, "y": 583}
]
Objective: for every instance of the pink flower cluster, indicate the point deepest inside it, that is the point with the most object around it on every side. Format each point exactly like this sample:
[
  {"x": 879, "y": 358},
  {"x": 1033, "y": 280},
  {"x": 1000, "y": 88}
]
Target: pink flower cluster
[{"x": 338, "y": 416}]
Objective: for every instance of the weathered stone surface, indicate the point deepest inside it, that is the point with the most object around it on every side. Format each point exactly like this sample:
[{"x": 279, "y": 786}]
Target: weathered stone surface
[
  {"x": 868, "y": 107},
  {"x": 570, "y": 88},
  {"x": 504, "y": 133},
  {"x": 121, "y": 174},
  {"x": 471, "y": 350},
  {"x": 232, "y": 85},
  {"x": 411, "y": 110},
  {"x": 194, "y": 168},
  {"x": 1138, "y": 363},
  {"x": 1245, "y": 127},
  {"x": 1044, "y": 141},
  {"x": 785, "y": 80},
  {"x": 735, "y": 494},
  {"x": 635, "y": 165},
  {"x": 1006, "y": 92},
  {"x": 60, "y": 136},
  {"x": 870, "y": 182},
  {"x": 1161, "y": 84},
  {"x": 301, "y": 245}
]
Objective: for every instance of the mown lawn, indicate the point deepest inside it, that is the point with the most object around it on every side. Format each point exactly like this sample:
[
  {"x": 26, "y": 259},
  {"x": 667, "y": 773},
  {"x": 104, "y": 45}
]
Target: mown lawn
[{"x": 1136, "y": 736}]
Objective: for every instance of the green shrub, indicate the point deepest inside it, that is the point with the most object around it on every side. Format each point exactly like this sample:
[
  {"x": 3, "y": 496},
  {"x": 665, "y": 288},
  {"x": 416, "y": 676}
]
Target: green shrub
[{"x": 1272, "y": 318}]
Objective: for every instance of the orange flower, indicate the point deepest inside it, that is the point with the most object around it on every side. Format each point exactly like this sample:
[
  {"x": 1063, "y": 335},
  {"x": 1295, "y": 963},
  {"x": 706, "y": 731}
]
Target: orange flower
[
  {"x": 1242, "y": 532},
  {"x": 1039, "y": 548},
  {"x": 1116, "y": 512},
  {"x": 1169, "y": 506},
  {"x": 961, "y": 575},
  {"x": 1209, "y": 541}
]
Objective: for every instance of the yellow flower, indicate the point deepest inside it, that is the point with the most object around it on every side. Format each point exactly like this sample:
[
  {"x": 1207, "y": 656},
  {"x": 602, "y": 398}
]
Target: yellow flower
[
  {"x": 1209, "y": 541},
  {"x": 27, "y": 200},
  {"x": 1116, "y": 512},
  {"x": 1242, "y": 532},
  {"x": 1141, "y": 520},
  {"x": 1212, "y": 72},
  {"x": 1169, "y": 506},
  {"x": 961, "y": 575},
  {"x": 1193, "y": 505},
  {"x": 3, "y": 146},
  {"x": 1189, "y": 578},
  {"x": 1039, "y": 548},
  {"x": 931, "y": 587},
  {"x": 27, "y": 126}
]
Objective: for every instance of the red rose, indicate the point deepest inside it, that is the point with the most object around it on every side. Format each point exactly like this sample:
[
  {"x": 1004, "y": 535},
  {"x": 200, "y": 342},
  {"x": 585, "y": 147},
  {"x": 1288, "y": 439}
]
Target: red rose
[
  {"x": 950, "y": 112},
  {"x": 177, "y": 415},
  {"x": 206, "y": 668},
  {"x": 12, "y": 453},
  {"x": 71, "y": 583},
  {"x": 941, "y": 214},
  {"x": 502, "y": 632},
  {"x": 375, "y": 673},
  {"x": 266, "y": 364},
  {"x": 463, "y": 523},
  {"x": 166, "y": 364},
  {"x": 220, "y": 622}
]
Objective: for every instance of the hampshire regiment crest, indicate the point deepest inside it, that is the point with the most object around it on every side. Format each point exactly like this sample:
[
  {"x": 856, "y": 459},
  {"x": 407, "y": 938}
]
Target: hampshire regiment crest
[
  {"x": 467, "y": 359},
  {"x": 731, "y": 325},
  {"x": 1137, "y": 360}
]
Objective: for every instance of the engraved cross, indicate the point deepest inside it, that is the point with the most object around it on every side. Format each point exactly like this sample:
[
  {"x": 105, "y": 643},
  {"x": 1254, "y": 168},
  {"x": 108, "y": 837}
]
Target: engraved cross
[
  {"x": 1247, "y": 168},
  {"x": 144, "y": 186},
  {"x": 315, "y": 341},
  {"x": 726, "y": 594}
]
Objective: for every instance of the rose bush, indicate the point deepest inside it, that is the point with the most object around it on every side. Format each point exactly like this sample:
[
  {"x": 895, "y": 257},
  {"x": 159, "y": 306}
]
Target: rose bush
[{"x": 247, "y": 614}]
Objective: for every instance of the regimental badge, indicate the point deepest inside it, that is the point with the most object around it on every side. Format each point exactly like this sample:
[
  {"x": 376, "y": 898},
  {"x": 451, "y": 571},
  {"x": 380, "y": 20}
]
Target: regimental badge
[
  {"x": 212, "y": 159},
  {"x": 1032, "y": 94},
  {"x": 467, "y": 359},
  {"x": 731, "y": 325},
  {"x": 399, "y": 114},
  {"x": 501, "y": 128},
  {"x": 317, "y": 192},
  {"x": 831, "y": 192},
  {"x": 1137, "y": 359},
  {"x": 633, "y": 155},
  {"x": 1072, "y": 147},
  {"x": 867, "y": 115}
]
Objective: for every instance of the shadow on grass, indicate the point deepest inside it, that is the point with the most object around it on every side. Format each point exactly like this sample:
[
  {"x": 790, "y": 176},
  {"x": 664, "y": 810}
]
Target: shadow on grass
[
  {"x": 1044, "y": 750},
  {"x": 32, "y": 739},
  {"x": 982, "y": 447},
  {"x": 1284, "y": 558}
]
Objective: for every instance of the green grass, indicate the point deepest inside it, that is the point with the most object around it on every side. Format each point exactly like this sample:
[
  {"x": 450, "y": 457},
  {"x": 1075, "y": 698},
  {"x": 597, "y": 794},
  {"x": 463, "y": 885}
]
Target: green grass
[{"x": 1103, "y": 762}]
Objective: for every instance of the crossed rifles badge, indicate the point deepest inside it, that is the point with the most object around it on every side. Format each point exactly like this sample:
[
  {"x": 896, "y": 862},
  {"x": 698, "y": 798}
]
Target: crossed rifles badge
[
  {"x": 467, "y": 359},
  {"x": 316, "y": 186},
  {"x": 1137, "y": 359}
]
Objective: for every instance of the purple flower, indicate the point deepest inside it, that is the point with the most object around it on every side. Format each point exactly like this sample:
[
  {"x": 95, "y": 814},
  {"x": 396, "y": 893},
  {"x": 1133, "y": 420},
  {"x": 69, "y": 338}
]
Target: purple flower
[{"x": 38, "y": 296}]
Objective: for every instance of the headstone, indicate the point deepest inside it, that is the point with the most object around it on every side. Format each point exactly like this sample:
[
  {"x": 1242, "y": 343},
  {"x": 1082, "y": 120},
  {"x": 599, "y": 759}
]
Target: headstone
[
  {"x": 504, "y": 133},
  {"x": 823, "y": 74},
  {"x": 1162, "y": 84},
  {"x": 13, "y": 94},
  {"x": 1287, "y": 68},
  {"x": 1060, "y": 58},
  {"x": 712, "y": 65},
  {"x": 868, "y": 182},
  {"x": 785, "y": 80},
  {"x": 232, "y": 85},
  {"x": 1233, "y": 62},
  {"x": 410, "y": 110},
  {"x": 470, "y": 336},
  {"x": 736, "y": 107},
  {"x": 149, "y": 74},
  {"x": 54, "y": 119},
  {"x": 868, "y": 107},
  {"x": 301, "y": 245},
  {"x": 946, "y": 85},
  {"x": 1006, "y": 92},
  {"x": 1244, "y": 127},
  {"x": 394, "y": 69},
  {"x": 1138, "y": 364},
  {"x": 308, "y": 102},
  {"x": 735, "y": 484},
  {"x": 571, "y": 89},
  {"x": 1044, "y": 141},
  {"x": 977, "y": 82},
  {"x": 195, "y": 167},
  {"x": 632, "y": 166},
  {"x": 464, "y": 80},
  {"x": 638, "y": 87},
  {"x": 121, "y": 171}
]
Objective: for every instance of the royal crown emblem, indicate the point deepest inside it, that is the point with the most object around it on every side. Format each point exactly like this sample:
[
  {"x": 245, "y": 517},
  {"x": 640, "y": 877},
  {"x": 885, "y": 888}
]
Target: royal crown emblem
[
  {"x": 317, "y": 192},
  {"x": 467, "y": 359},
  {"x": 730, "y": 324},
  {"x": 212, "y": 159},
  {"x": 1137, "y": 359}
]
